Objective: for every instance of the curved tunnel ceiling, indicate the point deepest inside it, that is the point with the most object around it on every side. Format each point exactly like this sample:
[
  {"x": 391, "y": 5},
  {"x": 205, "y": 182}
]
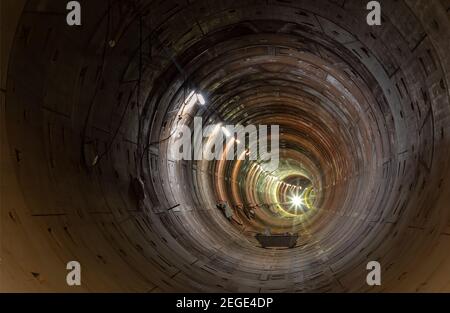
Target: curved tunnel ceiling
[{"x": 364, "y": 120}]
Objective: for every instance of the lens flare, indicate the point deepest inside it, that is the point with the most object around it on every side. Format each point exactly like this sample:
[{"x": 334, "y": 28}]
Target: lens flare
[{"x": 297, "y": 201}]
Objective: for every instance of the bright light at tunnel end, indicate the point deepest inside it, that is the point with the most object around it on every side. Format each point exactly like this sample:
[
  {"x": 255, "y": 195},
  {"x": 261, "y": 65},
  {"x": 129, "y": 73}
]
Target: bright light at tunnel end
[
  {"x": 297, "y": 201},
  {"x": 201, "y": 99}
]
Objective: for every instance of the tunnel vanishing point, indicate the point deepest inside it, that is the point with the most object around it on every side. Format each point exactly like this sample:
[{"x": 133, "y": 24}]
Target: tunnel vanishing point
[{"x": 90, "y": 112}]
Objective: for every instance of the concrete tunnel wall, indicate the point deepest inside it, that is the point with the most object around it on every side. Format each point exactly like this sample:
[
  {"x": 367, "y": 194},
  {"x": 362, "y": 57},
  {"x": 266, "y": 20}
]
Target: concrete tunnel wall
[{"x": 68, "y": 95}]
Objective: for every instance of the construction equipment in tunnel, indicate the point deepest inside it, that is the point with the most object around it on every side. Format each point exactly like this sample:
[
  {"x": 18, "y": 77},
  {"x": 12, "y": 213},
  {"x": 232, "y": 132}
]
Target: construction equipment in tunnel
[{"x": 287, "y": 240}]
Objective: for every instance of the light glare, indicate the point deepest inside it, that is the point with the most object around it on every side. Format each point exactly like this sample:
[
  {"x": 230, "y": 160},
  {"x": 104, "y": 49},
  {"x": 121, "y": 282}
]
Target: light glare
[
  {"x": 201, "y": 99},
  {"x": 297, "y": 201}
]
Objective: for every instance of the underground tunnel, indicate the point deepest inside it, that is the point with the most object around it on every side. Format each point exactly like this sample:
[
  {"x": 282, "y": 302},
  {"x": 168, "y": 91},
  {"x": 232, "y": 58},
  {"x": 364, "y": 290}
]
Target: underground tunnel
[{"x": 91, "y": 118}]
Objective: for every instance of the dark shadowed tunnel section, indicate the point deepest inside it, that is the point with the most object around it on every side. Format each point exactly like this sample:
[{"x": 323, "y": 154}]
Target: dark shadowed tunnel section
[{"x": 91, "y": 114}]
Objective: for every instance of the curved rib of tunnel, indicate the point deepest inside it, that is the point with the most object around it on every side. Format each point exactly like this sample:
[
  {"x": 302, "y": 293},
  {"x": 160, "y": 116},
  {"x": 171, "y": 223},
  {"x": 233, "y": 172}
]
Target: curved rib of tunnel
[{"x": 92, "y": 113}]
